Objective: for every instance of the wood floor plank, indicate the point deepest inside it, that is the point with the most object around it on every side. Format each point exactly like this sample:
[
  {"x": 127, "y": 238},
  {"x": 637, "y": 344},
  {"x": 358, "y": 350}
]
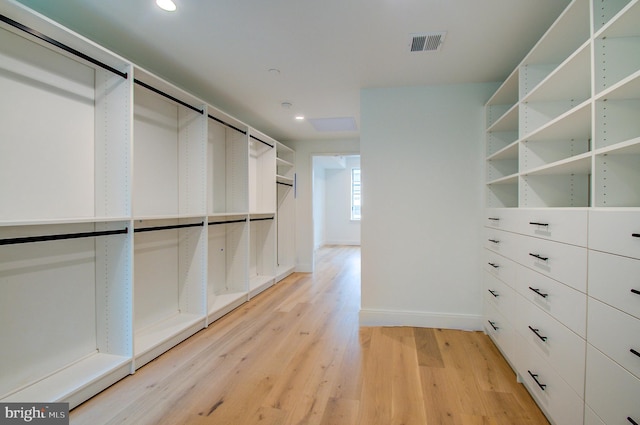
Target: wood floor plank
[{"x": 296, "y": 355}]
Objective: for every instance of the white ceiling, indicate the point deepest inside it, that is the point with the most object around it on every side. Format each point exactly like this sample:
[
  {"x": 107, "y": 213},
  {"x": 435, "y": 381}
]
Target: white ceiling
[{"x": 326, "y": 50}]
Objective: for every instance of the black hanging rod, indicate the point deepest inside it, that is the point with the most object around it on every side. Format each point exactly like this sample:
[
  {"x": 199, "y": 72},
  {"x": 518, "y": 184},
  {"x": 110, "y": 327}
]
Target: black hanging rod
[
  {"x": 59, "y": 45},
  {"x": 45, "y": 238},
  {"x": 261, "y": 141},
  {"x": 213, "y": 223},
  {"x": 285, "y": 184},
  {"x": 261, "y": 219},
  {"x": 226, "y": 123},
  {"x": 175, "y": 226},
  {"x": 168, "y": 96}
]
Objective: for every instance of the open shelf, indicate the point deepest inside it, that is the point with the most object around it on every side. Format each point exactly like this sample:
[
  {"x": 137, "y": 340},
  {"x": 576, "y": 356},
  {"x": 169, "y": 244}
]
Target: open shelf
[
  {"x": 262, "y": 252},
  {"x": 503, "y": 193},
  {"x": 616, "y": 115},
  {"x": 604, "y": 13},
  {"x": 227, "y": 264},
  {"x": 617, "y": 171},
  {"x": 503, "y": 100}
]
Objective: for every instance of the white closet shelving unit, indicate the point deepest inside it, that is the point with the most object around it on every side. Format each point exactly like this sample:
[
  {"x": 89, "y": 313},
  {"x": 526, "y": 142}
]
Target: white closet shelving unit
[
  {"x": 228, "y": 208},
  {"x": 262, "y": 212},
  {"x": 133, "y": 213},
  {"x": 562, "y": 189},
  {"x": 65, "y": 240},
  {"x": 169, "y": 170},
  {"x": 285, "y": 184}
]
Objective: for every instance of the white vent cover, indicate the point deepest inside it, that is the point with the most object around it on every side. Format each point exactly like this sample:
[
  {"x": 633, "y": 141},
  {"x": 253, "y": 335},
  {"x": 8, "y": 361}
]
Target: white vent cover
[{"x": 427, "y": 41}]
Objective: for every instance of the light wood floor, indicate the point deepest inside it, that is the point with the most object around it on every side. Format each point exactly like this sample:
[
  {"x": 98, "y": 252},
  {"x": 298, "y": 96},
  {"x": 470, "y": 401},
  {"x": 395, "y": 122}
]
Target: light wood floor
[{"x": 296, "y": 355}]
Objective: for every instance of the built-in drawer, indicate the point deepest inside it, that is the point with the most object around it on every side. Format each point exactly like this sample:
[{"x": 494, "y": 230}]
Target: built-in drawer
[
  {"x": 552, "y": 393},
  {"x": 617, "y": 232},
  {"x": 616, "y": 334},
  {"x": 500, "y": 295},
  {"x": 564, "y": 303},
  {"x": 563, "y": 349},
  {"x": 569, "y": 226},
  {"x": 562, "y": 262},
  {"x": 500, "y": 241},
  {"x": 615, "y": 280},
  {"x": 590, "y": 417},
  {"x": 501, "y": 218},
  {"x": 500, "y": 267},
  {"x": 611, "y": 391},
  {"x": 501, "y": 332}
]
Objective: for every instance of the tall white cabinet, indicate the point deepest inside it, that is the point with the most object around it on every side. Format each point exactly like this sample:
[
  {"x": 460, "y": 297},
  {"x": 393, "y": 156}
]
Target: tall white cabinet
[
  {"x": 133, "y": 214},
  {"x": 562, "y": 250}
]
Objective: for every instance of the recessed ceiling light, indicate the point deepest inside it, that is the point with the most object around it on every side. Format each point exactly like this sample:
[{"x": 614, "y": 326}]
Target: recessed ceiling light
[
  {"x": 286, "y": 105},
  {"x": 167, "y": 5},
  {"x": 299, "y": 117}
]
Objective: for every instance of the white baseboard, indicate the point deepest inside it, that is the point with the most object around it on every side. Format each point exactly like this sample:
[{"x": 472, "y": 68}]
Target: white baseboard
[
  {"x": 471, "y": 322},
  {"x": 355, "y": 243},
  {"x": 304, "y": 268}
]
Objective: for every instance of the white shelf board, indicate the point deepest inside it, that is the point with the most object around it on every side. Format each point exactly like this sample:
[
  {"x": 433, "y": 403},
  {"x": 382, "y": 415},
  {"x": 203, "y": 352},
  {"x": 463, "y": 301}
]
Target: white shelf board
[
  {"x": 282, "y": 162},
  {"x": 230, "y": 214},
  {"x": 508, "y": 152},
  {"x": 629, "y": 147},
  {"x": 284, "y": 147},
  {"x": 221, "y": 301},
  {"x": 628, "y": 88},
  {"x": 76, "y": 220},
  {"x": 507, "y": 93},
  {"x": 573, "y": 124},
  {"x": 579, "y": 164},
  {"x": 58, "y": 386},
  {"x": 511, "y": 179},
  {"x": 624, "y": 24},
  {"x": 150, "y": 337},
  {"x": 283, "y": 179},
  {"x": 284, "y": 270},
  {"x": 570, "y": 80},
  {"x": 262, "y": 214},
  {"x": 259, "y": 283},
  {"x": 507, "y": 122},
  {"x": 169, "y": 217},
  {"x": 569, "y": 31}
]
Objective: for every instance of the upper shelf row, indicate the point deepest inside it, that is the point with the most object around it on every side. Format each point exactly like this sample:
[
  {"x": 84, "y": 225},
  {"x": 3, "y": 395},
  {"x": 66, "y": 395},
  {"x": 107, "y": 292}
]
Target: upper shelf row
[{"x": 90, "y": 136}]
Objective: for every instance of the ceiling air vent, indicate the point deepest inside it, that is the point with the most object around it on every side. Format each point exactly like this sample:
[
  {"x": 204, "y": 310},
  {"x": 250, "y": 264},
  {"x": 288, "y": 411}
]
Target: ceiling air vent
[{"x": 427, "y": 41}]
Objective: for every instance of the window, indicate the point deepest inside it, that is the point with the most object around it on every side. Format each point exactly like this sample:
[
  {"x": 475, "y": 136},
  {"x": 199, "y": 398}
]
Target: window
[{"x": 356, "y": 194}]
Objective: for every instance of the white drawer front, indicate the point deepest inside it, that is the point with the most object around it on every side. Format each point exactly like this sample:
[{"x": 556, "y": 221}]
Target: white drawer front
[
  {"x": 613, "y": 231},
  {"x": 500, "y": 267},
  {"x": 613, "y": 280},
  {"x": 611, "y": 391},
  {"x": 616, "y": 334},
  {"x": 559, "y": 346},
  {"x": 501, "y": 218},
  {"x": 552, "y": 393},
  {"x": 568, "y": 226},
  {"x": 562, "y": 262},
  {"x": 502, "y": 242},
  {"x": 564, "y": 303},
  {"x": 590, "y": 417},
  {"x": 500, "y": 330},
  {"x": 500, "y": 295}
]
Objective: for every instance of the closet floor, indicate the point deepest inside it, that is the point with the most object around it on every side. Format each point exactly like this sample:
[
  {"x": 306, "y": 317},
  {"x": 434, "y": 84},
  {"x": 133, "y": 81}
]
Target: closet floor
[{"x": 295, "y": 354}]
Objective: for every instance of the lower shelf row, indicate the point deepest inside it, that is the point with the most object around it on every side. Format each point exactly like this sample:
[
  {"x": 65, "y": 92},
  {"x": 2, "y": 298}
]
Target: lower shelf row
[{"x": 81, "y": 312}]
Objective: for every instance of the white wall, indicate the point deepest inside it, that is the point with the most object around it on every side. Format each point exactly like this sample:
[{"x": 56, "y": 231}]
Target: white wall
[
  {"x": 304, "y": 224},
  {"x": 319, "y": 196},
  {"x": 339, "y": 228},
  {"x": 422, "y": 162}
]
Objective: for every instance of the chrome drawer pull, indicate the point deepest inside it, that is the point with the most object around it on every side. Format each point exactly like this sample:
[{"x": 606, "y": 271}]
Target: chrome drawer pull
[
  {"x": 635, "y": 291},
  {"x": 538, "y": 224},
  {"x": 494, "y": 219},
  {"x": 494, "y": 240},
  {"x": 535, "y": 331},
  {"x": 542, "y": 386},
  {"x": 493, "y": 325},
  {"x": 634, "y": 352},
  {"x": 537, "y": 291},
  {"x": 494, "y": 265},
  {"x": 539, "y": 257},
  {"x": 631, "y": 420},
  {"x": 494, "y": 293},
  {"x": 636, "y": 235}
]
